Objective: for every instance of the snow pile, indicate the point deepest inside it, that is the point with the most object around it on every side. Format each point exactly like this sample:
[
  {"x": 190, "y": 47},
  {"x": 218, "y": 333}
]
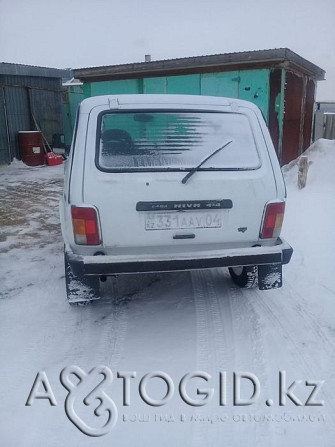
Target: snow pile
[
  {"x": 18, "y": 172},
  {"x": 321, "y": 156},
  {"x": 309, "y": 219}
]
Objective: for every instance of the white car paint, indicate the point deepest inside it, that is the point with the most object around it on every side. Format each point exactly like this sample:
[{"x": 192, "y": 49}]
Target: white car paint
[{"x": 114, "y": 195}]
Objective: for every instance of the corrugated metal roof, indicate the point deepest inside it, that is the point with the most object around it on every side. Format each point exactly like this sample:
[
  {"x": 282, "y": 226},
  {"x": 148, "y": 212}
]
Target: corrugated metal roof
[
  {"x": 7, "y": 68},
  {"x": 247, "y": 59}
]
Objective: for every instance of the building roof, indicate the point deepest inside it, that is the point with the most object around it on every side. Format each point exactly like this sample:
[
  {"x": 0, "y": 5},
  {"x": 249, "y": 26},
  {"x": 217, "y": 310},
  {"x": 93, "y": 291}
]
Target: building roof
[
  {"x": 276, "y": 58},
  {"x": 32, "y": 70}
]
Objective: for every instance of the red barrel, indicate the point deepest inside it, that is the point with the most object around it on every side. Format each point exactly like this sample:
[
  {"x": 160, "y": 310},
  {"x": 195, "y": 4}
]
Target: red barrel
[{"x": 31, "y": 148}]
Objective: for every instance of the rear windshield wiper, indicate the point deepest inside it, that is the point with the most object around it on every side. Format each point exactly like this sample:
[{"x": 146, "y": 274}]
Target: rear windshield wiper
[{"x": 193, "y": 170}]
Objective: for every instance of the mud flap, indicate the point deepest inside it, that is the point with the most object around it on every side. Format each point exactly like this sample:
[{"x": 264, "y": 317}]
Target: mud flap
[
  {"x": 80, "y": 289},
  {"x": 269, "y": 276}
]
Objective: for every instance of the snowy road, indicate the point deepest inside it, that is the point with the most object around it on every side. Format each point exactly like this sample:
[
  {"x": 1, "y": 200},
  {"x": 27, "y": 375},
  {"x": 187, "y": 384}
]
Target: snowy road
[{"x": 176, "y": 323}]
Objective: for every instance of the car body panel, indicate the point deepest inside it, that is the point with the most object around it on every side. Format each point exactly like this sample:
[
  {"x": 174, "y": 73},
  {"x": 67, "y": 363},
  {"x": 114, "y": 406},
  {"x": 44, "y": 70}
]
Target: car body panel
[{"x": 125, "y": 231}]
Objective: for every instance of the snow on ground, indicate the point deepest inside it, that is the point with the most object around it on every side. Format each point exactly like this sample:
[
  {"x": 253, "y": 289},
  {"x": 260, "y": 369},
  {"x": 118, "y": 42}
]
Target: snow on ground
[{"x": 176, "y": 323}]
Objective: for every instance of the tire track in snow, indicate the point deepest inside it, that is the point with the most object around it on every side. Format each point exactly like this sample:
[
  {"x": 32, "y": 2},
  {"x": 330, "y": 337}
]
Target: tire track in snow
[
  {"x": 249, "y": 352},
  {"x": 115, "y": 335},
  {"x": 214, "y": 353},
  {"x": 102, "y": 328}
]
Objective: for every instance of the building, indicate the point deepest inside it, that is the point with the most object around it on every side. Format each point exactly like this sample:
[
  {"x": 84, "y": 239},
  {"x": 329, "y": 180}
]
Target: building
[
  {"x": 73, "y": 94},
  {"x": 28, "y": 93},
  {"x": 279, "y": 81},
  {"x": 324, "y": 123}
]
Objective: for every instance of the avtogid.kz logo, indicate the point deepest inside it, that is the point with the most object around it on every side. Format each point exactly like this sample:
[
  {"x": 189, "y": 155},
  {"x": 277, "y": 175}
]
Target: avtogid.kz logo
[
  {"x": 97, "y": 396},
  {"x": 87, "y": 391},
  {"x": 82, "y": 389}
]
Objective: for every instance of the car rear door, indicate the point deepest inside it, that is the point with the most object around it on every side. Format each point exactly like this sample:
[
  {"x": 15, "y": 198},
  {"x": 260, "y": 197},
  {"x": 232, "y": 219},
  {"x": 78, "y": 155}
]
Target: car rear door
[{"x": 148, "y": 211}]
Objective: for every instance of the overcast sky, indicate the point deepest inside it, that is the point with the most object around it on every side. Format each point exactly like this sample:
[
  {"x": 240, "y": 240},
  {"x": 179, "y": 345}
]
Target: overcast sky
[{"x": 84, "y": 33}]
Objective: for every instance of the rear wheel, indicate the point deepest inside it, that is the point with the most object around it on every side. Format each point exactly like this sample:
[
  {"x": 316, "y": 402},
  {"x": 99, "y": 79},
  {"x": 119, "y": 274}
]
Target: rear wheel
[
  {"x": 245, "y": 277},
  {"x": 80, "y": 290}
]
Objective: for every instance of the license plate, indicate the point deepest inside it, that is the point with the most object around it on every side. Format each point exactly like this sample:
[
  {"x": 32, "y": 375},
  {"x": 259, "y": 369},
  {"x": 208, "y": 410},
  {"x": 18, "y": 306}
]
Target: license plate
[{"x": 183, "y": 220}]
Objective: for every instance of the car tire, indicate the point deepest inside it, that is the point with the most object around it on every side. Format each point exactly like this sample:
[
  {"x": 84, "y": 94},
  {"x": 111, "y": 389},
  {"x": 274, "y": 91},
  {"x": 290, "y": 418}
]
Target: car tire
[
  {"x": 80, "y": 290},
  {"x": 245, "y": 277}
]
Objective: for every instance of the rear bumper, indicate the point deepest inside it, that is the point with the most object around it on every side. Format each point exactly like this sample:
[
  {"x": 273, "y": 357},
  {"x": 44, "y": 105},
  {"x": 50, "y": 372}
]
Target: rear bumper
[{"x": 111, "y": 265}]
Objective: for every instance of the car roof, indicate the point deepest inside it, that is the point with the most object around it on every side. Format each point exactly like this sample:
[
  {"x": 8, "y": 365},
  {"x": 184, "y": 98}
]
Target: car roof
[{"x": 165, "y": 100}]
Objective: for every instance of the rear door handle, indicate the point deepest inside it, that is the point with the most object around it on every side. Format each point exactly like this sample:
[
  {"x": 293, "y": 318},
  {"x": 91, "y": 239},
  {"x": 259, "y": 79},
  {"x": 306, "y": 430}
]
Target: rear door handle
[{"x": 184, "y": 236}]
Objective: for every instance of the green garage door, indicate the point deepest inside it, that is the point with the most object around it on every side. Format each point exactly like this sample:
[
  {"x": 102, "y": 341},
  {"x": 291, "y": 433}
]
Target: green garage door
[
  {"x": 183, "y": 85},
  {"x": 154, "y": 85},
  {"x": 254, "y": 87},
  {"x": 220, "y": 84}
]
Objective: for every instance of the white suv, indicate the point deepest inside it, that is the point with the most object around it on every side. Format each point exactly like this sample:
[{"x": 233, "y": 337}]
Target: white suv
[{"x": 170, "y": 182}]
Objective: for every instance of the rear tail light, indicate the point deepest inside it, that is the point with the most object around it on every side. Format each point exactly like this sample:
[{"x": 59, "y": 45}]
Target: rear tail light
[
  {"x": 85, "y": 226},
  {"x": 273, "y": 220}
]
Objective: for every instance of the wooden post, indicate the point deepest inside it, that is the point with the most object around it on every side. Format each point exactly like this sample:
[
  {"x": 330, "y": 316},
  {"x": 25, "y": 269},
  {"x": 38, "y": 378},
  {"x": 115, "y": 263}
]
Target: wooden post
[{"x": 303, "y": 169}]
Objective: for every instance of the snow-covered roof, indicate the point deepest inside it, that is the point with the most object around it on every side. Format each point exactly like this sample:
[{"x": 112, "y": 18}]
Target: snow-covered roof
[{"x": 71, "y": 82}]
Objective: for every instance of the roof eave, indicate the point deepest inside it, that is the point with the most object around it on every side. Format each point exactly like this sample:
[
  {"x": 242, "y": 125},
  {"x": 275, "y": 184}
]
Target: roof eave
[
  {"x": 9, "y": 69},
  {"x": 279, "y": 58}
]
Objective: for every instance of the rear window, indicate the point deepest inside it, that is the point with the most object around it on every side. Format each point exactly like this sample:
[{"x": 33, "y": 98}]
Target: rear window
[{"x": 160, "y": 140}]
